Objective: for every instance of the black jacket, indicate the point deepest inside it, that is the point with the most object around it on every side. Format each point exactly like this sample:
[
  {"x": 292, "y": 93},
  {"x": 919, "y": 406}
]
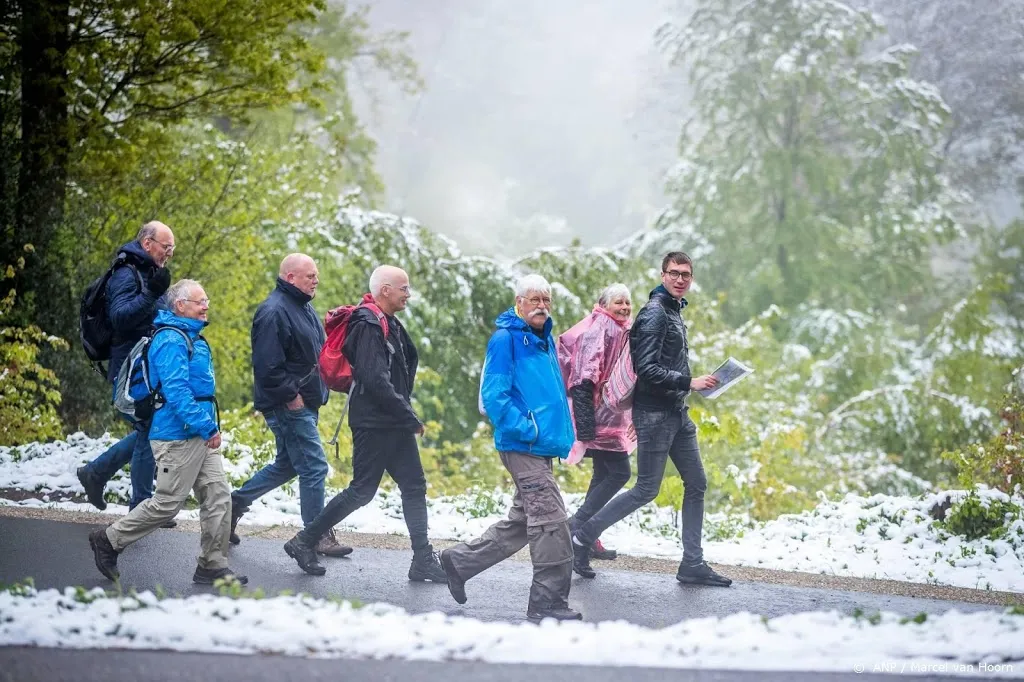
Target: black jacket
[
  {"x": 657, "y": 343},
  {"x": 384, "y": 373},
  {"x": 131, "y": 305},
  {"x": 286, "y": 340}
]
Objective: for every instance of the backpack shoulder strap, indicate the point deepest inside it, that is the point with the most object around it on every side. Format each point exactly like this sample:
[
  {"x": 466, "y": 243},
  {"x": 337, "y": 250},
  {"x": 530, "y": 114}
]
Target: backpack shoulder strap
[
  {"x": 188, "y": 341},
  {"x": 121, "y": 260},
  {"x": 382, "y": 319}
]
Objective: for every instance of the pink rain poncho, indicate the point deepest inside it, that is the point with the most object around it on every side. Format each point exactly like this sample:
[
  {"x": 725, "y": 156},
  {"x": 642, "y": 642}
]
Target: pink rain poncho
[{"x": 587, "y": 352}]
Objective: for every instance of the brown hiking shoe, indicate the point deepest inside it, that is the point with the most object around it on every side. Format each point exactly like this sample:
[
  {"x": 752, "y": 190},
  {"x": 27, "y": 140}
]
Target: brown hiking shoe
[{"x": 329, "y": 546}]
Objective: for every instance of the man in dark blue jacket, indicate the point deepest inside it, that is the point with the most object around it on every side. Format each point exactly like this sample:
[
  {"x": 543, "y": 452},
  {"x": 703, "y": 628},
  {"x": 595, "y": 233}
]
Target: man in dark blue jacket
[
  {"x": 286, "y": 341},
  {"x": 133, "y": 294}
]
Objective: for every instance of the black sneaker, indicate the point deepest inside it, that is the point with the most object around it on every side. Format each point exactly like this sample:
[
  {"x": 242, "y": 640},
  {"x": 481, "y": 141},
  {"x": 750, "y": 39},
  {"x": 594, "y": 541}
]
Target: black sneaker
[
  {"x": 236, "y": 513},
  {"x": 208, "y": 576},
  {"x": 304, "y": 555},
  {"x": 456, "y": 585},
  {"x": 701, "y": 574},
  {"x": 93, "y": 488},
  {"x": 169, "y": 524},
  {"x": 556, "y": 611},
  {"x": 581, "y": 560},
  {"x": 104, "y": 554},
  {"x": 426, "y": 565}
]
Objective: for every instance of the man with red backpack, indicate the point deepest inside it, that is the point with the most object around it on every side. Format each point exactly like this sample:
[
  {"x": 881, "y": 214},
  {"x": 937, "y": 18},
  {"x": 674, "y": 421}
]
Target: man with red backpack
[
  {"x": 287, "y": 388},
  {"x": 383, "y": 363}
]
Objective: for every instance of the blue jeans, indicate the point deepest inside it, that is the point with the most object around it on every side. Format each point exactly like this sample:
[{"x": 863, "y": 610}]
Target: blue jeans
[
  {"x": 132, "y": 448},
  {"x": 299, "y": 453},
  {"x": 660, "y": 435}
]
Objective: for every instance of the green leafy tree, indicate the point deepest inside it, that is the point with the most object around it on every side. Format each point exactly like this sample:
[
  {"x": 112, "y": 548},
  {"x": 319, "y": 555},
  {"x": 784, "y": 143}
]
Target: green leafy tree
[
  {"x": 812, "y": 166},
  {"x": 29, "y": 392}
]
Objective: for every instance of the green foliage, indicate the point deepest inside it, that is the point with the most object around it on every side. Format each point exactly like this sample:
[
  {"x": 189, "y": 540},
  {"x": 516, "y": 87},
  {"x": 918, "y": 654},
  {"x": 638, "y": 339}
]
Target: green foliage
[
  {"x": 20, "y": 588},
  {"x": 999, "y": 462},
  {"x": 811, "y": 166},
  {"x": 29, "y": 392},
  {"x": 975, "y": 518}
]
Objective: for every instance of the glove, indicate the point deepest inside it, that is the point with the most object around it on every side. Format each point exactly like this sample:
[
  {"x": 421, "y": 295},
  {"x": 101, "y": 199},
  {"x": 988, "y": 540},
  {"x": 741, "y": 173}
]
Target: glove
[{"x": 159, "y": 281}]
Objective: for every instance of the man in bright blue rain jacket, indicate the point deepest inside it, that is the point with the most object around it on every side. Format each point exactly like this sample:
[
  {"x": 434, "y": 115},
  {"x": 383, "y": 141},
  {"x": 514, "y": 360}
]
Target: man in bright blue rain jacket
[
  {"x": 523, "y": 395},
  {"x": 185, "y": 438}
]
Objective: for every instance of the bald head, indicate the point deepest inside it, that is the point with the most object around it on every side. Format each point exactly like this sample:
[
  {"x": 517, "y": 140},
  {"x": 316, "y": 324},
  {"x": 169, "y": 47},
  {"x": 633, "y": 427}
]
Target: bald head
[
  {"x": 157, "y": 240},
  {"x": 300, "y": 271},
  {"x": 389, "y": 286}
]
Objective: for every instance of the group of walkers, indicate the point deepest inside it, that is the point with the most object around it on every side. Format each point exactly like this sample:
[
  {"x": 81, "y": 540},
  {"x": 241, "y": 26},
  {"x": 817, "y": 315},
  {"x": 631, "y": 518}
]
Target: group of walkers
[{"x": 545, "y": 400}]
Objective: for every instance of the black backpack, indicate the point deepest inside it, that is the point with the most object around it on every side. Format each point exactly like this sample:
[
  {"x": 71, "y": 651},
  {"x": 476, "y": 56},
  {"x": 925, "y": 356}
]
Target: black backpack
[{"x": 95, "y": 329}]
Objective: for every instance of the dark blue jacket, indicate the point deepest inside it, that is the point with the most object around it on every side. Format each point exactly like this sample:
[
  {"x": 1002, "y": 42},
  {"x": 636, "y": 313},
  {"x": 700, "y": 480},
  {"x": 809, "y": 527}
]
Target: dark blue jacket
[
  {"x": 286, "y": 340},
  {"x": 130, "y": 305}
]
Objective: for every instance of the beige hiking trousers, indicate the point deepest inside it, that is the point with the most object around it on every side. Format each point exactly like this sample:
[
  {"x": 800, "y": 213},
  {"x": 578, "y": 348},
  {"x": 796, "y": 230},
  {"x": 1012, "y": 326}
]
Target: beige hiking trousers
[{"x": 183, "y": 465}]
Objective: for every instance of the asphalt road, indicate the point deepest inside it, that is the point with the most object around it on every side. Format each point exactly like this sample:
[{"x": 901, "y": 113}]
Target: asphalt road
[
  {"x": 62, "y": 665},
  {"x": 57, "y": 554}
]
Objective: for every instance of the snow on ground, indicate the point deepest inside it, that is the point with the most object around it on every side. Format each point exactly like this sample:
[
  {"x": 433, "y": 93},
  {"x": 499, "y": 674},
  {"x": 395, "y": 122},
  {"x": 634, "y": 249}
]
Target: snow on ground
[
  {"x": 874, "y": 537},
  {"x": 982, "y": 643}
]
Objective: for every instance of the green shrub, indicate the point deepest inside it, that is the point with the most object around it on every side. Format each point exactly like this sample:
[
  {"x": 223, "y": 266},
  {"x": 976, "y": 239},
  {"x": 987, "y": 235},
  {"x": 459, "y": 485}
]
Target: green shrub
[{"x": 974, "y": 518}]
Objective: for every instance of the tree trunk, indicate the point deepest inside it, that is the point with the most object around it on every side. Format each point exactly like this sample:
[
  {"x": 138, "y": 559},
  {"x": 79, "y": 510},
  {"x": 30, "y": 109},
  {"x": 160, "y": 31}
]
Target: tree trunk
[{"x": 45, "y": 142}]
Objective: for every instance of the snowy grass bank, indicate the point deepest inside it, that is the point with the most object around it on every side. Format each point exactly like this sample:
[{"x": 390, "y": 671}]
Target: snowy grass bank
[
  {"x": 989, "y": 643},
  {"x": 875, "y": 537}
]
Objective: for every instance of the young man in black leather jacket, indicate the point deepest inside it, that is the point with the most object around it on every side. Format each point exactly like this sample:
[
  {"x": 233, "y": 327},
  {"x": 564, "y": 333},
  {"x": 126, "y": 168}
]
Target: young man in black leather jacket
[{"x": 663, "y": 426}]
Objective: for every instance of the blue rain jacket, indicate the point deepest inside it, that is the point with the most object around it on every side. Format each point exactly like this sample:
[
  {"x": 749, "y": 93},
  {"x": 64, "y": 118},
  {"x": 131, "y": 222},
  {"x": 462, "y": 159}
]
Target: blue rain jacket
[
  {"x": 181, "y": 381},
  {"x": 522, "y": 390}
]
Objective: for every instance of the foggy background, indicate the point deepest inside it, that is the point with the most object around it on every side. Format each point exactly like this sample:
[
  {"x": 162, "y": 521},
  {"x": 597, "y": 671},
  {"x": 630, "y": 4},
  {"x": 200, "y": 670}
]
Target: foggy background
[{"x": 547, "y": 121}]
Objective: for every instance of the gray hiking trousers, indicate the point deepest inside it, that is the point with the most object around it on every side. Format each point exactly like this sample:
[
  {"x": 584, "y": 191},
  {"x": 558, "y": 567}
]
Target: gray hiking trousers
[{"x": 537, "y": 518}]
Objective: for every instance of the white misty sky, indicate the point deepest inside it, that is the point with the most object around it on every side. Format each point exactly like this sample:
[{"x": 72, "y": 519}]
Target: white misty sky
[{"x": 541, "y": 121}]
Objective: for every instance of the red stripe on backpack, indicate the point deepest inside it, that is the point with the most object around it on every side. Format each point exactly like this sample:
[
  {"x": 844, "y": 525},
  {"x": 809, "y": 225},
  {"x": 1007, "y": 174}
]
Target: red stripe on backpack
[{"x": 335, "y": 369}]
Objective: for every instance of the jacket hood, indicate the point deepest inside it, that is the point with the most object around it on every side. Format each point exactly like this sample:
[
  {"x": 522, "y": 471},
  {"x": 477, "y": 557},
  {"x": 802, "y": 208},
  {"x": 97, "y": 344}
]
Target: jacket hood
[
  {"x": 165, "y": 318},
  {"x": 511, "y": 320},
  {"x": 134, "y": 248},
  {"x": 660, "y": 290},
  {"x": 293, "y": 291}
]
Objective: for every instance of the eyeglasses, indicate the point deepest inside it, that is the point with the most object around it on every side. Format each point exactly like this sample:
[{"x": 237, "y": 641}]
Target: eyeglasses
[
  {"x": 678, "y": 274},
  {"x": 168, "y": 248},
  {"x": 540, "y": 300},
  {"x": 404, "y": 290},
  {"x": 202, "y": 301}
]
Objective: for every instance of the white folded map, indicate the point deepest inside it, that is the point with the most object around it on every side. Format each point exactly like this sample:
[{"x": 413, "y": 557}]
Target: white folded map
[{"x": 728, "y": 374}]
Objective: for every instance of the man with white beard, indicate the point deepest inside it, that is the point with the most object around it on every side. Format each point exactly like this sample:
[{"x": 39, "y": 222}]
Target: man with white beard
[{"x": 523, "y": 394}]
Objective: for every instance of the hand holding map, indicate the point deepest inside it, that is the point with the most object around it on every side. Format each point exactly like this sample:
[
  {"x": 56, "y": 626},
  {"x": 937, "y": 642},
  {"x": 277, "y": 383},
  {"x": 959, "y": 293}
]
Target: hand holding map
[{"x": 728, "y": 373}]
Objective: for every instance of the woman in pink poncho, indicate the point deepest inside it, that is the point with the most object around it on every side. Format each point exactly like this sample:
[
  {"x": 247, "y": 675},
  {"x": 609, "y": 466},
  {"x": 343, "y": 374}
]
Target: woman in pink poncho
[{"x": 586, "y": 354}]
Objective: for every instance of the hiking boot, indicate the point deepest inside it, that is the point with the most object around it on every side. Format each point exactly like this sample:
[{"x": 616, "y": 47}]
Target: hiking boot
[
  {"x": 93, "y": 488},
  {"x": 329, "y": 546},
  {"x": 236, "y": 513},
  {"x": 556, "y": 611},
  {"x": 427, "y": 566},
  {"x": 598, "y": 551},
  {"x": 169, "y": 524},
  {"x": 304, "y": 555},
  {"x": 701, "y": 574},
  {"x": 208, "y": 576},
  {"x": 456, "y": 585},
  {"x": 581, "y": 560},
  {"x": 104, "y": 553}
]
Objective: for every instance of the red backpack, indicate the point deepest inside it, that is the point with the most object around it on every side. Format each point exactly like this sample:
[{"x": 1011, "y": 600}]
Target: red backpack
[{"x": 335, "y": 368}]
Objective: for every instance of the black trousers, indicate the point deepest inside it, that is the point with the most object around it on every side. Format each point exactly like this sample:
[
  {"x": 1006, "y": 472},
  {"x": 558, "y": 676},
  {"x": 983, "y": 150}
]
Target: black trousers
[{"x": 375, "y": 451}]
